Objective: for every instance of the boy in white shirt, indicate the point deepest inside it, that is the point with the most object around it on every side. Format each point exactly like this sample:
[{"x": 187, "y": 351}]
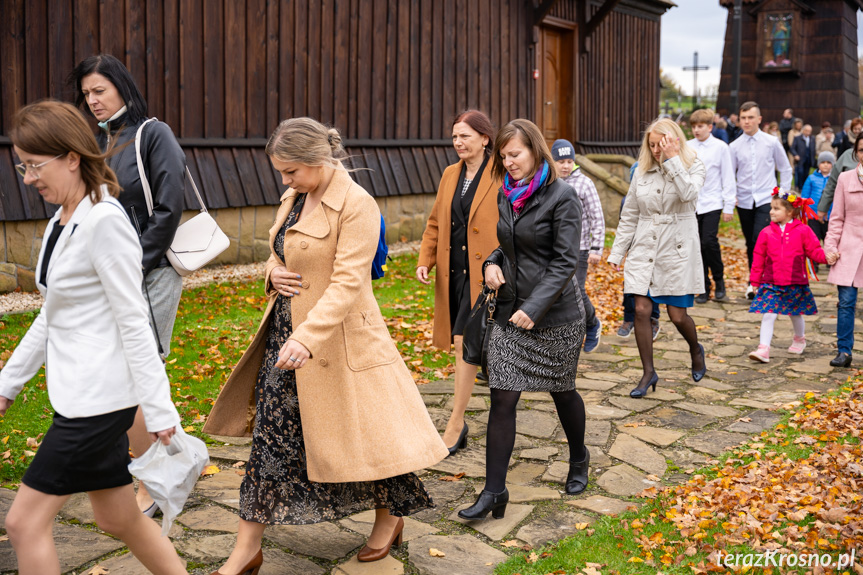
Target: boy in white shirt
[{"x": 716, "y": 199}]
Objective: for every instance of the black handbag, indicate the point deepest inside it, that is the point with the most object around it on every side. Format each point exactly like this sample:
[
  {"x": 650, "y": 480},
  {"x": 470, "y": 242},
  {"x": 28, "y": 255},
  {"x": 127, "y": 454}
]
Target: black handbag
[{"x": 477, "y": 329}]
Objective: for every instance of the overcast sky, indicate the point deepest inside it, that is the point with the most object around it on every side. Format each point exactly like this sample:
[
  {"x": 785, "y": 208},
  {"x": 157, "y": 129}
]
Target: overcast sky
[{"x": 699, "y": 26}]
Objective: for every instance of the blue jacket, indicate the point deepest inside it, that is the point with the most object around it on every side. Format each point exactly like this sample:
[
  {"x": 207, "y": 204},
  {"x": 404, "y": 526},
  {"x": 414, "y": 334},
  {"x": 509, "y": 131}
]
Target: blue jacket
[{"x": 813, "y": 187}]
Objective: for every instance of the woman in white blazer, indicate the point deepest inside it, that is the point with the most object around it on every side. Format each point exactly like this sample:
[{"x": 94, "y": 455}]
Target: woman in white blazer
[{"x": 95, "y": 341}]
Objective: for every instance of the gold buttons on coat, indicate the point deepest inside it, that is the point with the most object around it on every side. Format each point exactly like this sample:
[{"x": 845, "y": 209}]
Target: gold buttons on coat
[
  {"x": 305, "y": 284},
  {"x": 476, "y": 230},
  {"x": 323, "y": 362},
  {"x": 463, "y": 248},
  {"x": 478, "y": 255},
  {"x": 304, "y": 244}
]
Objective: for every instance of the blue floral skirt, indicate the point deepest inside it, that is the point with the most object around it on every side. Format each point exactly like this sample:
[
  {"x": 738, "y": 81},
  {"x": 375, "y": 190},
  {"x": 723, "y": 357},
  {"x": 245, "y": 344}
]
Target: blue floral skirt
[{"x": 784, "y": 300}]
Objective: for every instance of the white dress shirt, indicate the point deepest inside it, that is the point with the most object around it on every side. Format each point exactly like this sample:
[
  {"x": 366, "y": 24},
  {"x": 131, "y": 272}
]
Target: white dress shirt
[
  {"x": 720, "y": 190},
  {"x": 756, "y": 159}
]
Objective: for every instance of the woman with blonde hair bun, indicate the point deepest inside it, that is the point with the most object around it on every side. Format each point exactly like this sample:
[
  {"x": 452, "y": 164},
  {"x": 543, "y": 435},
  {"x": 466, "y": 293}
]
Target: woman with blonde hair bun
[
  {"x": 323, "y": 352},
  {"x": 658, "y": 236}
]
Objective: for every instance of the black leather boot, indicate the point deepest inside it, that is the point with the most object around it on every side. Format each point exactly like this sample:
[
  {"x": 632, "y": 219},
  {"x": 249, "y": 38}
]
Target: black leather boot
[
  {"x": 576, "y": 480},
  {"x": 719, "y": 292},
  {"x": 487, "y": 501}
]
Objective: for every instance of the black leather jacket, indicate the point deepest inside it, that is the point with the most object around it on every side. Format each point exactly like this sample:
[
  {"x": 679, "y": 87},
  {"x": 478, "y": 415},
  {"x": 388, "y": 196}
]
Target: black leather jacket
[
  {"x": 538, "y": 254},
  {"x": 165, "y": 166}
]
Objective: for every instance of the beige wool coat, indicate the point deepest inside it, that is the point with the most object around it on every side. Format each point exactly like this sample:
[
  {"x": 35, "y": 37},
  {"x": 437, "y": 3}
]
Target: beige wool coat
[
  {"x": 658, "y": 231},
  {"x": 362, "y": 415},
  {"x": 481, "y": 241}
]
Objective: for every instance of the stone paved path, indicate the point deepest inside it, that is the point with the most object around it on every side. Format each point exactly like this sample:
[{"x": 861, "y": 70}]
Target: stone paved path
[{"x": 633, "y": 443}]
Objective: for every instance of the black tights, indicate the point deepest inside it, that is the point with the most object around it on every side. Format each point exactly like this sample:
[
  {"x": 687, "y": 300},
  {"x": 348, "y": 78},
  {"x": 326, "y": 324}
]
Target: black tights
[
  {"x": 501, "y": 431},
  {"x": 644, "y": 335}
]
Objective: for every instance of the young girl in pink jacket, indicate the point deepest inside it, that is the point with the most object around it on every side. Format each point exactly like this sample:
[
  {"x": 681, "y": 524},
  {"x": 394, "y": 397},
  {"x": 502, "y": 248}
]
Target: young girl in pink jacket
[{"x": 779, "y": 271}]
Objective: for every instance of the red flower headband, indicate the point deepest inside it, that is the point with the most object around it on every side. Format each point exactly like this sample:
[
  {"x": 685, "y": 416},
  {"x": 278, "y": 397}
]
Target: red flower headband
[{"x": 803, "y": 204}]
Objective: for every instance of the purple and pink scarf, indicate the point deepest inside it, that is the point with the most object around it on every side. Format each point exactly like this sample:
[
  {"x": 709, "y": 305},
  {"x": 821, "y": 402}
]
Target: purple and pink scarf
[{"x": 519, "y": 192}]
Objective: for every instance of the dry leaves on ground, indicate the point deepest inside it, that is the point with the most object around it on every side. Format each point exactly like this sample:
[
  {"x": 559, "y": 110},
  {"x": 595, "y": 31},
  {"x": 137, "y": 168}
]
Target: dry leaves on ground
[{"x": 763, "y": 499}]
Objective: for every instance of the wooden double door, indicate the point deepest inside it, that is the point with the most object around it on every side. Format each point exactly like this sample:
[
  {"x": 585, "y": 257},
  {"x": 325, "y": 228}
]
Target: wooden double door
[{"x": 555, "y": 88}]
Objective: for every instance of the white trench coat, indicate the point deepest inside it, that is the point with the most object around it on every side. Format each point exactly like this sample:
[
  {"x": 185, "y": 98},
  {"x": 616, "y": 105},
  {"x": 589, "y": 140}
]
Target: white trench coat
[{"x": 658, "y": 232}]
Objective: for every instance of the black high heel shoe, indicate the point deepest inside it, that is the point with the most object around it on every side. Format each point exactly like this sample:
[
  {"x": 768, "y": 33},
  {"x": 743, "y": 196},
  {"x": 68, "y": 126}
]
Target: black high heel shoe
[
  {"x": 642, "y": 391},
  {"x": 461, "y": 442},
  {"x": 576, "y": 480},
  {"x": 487, "y": 501},
  {"x": 698, "y": 375}
]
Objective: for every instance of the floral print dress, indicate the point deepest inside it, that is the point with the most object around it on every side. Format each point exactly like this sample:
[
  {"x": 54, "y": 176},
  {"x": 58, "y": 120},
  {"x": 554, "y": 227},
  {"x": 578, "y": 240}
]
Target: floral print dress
[{"x": 276, "y": 488}]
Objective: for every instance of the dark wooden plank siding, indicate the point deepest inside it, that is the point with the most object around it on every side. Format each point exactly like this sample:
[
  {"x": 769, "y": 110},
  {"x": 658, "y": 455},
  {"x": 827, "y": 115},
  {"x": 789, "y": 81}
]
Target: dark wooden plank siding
[
  {"x": 617, "y": 91},
  {"x": 375, "y": 69},
  {"x": 255, "y": 84},
  {"x": 214, "y": 69},
  {"x": 172, "y": 110},
  {"x": 236, "y": 60}
]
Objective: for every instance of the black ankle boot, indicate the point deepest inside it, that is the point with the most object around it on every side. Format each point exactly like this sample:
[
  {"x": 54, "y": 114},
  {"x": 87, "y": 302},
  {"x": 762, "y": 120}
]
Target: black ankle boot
[
  {"x": 576, "y": 480},
  {"x": 720, "y": 290},
  {"x": 487, "y": 501}
]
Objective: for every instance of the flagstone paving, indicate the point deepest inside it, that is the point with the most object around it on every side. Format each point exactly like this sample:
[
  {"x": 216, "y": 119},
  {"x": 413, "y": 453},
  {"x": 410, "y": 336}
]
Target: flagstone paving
[{"x": 633, "y": 444}]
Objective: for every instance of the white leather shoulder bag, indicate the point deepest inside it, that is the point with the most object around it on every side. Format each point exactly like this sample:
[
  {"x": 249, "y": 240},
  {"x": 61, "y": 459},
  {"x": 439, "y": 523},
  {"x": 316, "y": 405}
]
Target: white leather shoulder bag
[{"x": 197, "y": 241}]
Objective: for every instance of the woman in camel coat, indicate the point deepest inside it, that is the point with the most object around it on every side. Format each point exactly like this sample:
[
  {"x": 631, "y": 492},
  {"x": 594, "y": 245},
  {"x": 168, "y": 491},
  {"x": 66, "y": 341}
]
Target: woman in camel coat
[
  {"x": 461, "y": 232},
  {"x": 323, "y": 352}
]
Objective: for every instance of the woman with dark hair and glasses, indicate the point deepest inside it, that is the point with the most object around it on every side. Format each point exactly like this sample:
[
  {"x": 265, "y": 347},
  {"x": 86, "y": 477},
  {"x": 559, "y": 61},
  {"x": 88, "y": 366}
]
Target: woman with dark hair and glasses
[
  {"x": 111, "y": 96},
  {"x": 459, "y": 235}
]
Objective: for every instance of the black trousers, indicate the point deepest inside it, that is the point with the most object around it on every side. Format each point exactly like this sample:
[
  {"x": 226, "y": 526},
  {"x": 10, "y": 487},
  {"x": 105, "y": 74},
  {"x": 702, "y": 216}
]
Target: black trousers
[
  {"x": 820, "y": 229},
  {"x": 711, "y": 256},
  {"x": 581, "y": 276},
  {"x": 752, "y": 221}
]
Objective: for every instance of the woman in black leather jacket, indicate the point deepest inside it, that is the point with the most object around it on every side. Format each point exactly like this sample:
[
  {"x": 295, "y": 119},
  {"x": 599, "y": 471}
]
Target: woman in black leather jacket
[
  {"x": 539, "y": 320},
  {"x": 107, "y": 87}
]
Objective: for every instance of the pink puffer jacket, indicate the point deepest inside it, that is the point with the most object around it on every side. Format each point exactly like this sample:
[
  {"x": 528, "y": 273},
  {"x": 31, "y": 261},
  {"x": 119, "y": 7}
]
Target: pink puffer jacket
[{"x": 780, "y": 256}]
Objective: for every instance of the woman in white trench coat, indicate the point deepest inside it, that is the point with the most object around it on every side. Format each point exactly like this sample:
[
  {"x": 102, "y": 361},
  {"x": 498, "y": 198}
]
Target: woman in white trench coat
[{"x": 658, "y": 235}]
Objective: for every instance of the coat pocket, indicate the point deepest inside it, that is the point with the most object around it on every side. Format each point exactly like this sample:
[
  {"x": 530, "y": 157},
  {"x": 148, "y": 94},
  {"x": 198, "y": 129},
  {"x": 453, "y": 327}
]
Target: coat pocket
[
  {"x": 367, "y": 341},
  {"x": 680, "y": 245}
]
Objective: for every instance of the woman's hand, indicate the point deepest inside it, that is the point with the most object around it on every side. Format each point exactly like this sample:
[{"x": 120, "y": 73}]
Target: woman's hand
[
  {"x": 293, "y": 355},
  {"x": 285, "y": 282},
  {"x": 832, "y": 258},
  {"x": 670, "y": 146},
  {"x": 5, "y": 403},
  {"x": 593, "y": 259},
  {"x": 522, "y": 320},
  {"x": 494, "y": 276},
  {"x": 423, "y": 274},
  {"x": 164, "y": 436}
]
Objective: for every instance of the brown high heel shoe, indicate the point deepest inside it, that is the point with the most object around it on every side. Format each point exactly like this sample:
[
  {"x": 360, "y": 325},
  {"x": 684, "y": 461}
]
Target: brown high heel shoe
[
  {"x": 251, "y": 568},
  {"x": 367, "y": 554}
]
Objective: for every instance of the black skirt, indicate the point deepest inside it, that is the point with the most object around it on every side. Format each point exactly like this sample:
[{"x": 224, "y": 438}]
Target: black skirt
[{"x": 83, "y": 454}]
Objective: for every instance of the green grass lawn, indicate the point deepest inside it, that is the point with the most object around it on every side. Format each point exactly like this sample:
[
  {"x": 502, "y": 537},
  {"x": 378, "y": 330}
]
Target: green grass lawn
[
  {"x": 793, "y": 488},
  {"x": 214, "y": 326}
]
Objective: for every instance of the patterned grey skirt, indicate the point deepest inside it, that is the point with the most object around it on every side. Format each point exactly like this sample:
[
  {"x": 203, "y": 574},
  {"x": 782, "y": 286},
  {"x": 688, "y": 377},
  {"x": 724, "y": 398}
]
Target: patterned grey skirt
[{"x": 544, "y": 359}]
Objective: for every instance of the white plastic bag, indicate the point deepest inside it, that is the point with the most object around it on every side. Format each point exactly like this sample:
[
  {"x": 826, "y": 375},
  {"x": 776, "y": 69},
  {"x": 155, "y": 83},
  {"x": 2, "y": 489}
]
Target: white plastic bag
[{"x": 170, "y": 472}]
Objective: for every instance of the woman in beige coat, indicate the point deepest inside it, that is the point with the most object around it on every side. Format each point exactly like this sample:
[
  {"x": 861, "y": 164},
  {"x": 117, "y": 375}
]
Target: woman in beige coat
[
  {"x": 323, "y": 352},
  {"x": 658, "y": 235},
  {"x": 461, "y": 233}
]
